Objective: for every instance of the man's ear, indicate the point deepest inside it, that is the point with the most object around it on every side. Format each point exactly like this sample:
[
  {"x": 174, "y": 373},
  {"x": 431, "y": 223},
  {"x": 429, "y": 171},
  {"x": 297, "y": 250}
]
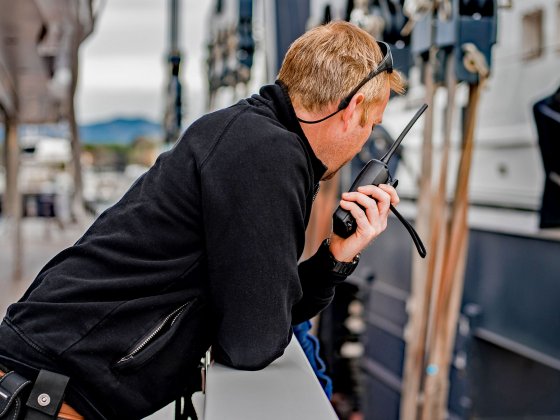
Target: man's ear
[{"x": 348, "y": 112}]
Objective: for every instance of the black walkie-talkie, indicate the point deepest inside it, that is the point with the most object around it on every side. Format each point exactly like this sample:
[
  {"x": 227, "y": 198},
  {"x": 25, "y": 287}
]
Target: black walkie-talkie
[{"x": 376, "y": 172}]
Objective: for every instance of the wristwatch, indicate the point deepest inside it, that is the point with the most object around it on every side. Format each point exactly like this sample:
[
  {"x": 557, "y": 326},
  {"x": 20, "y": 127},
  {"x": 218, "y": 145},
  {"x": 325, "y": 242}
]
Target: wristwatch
[{"x": 338, "y": 267}]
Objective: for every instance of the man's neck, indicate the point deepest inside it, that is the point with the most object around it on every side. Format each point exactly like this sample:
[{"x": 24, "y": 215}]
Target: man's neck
[{"x": 318, "y": 134}]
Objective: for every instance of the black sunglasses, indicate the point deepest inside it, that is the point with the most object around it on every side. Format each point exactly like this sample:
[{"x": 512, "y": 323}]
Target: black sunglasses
[{"x": 386, "y": 64}]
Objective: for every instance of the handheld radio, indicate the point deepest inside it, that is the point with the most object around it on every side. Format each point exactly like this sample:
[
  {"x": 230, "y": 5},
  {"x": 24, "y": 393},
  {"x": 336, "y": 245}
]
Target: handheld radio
[{"x": 376, "y": 172}]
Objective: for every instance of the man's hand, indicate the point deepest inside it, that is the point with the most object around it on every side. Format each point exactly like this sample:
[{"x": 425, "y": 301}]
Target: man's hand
[{"x": 370, "y": 207}]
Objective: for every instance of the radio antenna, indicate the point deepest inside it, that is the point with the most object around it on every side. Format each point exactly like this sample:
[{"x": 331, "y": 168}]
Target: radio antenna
[{"x": 389, "y": 154}]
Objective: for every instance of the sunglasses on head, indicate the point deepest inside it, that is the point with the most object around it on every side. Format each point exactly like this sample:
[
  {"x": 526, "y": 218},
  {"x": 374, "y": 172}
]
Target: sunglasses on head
[{"x": 386, "y": 64}]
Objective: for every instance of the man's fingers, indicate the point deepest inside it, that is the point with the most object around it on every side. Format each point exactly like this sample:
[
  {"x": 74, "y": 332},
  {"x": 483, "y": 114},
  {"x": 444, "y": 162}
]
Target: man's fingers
[
  {"x": 369, "y": 206},
  {"x": 356, "y": 211},
  {"x": 367, "y": 203},
  {"x": 370, "y": 220},
  {"x": 382, "y": 197},
  {"x": 392, "y": 192},
  {"x": 373, "y": 190}
]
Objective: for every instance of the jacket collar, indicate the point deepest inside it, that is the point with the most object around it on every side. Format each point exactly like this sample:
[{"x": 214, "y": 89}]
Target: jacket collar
[{"x": 277, "y": 98}]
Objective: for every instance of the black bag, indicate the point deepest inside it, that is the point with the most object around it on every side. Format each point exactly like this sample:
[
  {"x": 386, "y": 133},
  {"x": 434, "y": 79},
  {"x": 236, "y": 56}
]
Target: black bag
[
  {"x": 13, "y": 388},
  {"x": 19, "y": 400}
]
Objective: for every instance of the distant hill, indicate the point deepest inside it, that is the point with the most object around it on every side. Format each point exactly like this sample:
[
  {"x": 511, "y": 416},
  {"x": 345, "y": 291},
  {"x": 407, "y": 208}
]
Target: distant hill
[
  {"x": 120, "y": 131},
  {"x": 116, "y": 131}
]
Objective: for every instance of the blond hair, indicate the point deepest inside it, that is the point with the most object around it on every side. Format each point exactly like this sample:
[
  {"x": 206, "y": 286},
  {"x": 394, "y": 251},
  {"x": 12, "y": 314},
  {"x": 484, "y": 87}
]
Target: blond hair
[{"x": 324, "y": 64}]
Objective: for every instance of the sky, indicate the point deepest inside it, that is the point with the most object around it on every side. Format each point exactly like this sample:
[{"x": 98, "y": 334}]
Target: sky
[{"x": 123, "y": 71}]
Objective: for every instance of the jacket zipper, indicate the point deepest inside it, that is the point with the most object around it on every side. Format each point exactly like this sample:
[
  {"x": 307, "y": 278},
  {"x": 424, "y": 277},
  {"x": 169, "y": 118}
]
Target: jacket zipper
[{"x": 172, "y": 316}]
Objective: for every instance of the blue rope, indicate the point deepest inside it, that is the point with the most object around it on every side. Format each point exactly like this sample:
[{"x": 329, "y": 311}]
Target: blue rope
[{"x": 310, "y": 345}]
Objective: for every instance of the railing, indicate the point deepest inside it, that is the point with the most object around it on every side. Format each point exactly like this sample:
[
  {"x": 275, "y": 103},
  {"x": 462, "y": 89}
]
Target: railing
[{"x": 286, "y": 389}]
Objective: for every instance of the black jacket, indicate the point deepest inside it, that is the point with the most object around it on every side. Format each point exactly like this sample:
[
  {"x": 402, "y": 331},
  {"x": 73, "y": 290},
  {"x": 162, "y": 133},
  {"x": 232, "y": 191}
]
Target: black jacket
[{"x": 202, "y": 250}]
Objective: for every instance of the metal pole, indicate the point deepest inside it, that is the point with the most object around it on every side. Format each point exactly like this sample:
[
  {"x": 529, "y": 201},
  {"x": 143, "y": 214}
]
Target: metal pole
[
  {"x": 78, "y": 207},
  {"x": 12, "y": 201},
  {"x": 174, "y": 26},
  {"x": 419, "y": 303},
  {"x": 452, "y": 277},
  {"x": 173, "y": 111}
]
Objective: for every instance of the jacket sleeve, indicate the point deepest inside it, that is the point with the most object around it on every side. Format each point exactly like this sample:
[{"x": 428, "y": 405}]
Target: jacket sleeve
[
  {"x": 318, "y": 284},
  {"x": 253, "y": 197}
]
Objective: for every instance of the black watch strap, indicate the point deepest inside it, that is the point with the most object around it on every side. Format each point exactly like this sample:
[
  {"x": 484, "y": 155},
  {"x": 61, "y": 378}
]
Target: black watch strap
[{"x": 338, "y": 267}]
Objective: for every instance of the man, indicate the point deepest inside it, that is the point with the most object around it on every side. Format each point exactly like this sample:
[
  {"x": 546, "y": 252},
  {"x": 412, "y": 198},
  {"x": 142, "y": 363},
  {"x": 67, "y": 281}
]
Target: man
[{"x": 203, "y": 249}]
